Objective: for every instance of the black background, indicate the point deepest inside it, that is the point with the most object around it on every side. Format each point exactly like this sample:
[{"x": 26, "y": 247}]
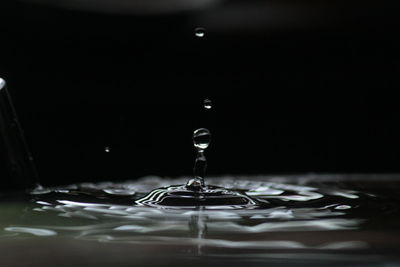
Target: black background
[{"x": 296, "y": 87}]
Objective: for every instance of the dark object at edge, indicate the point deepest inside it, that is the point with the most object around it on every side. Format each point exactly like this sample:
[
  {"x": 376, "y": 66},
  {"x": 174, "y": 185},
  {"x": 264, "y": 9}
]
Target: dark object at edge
[{"x": 17, "y": 170}]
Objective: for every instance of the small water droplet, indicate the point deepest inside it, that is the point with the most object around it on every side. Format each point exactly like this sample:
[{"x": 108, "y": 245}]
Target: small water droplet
[
  {"x": 201, "y": 139},
  {"x": 207, "y": 104},
  {"x": 200, "y": 32},
  {"x": 107, "y": 149}
]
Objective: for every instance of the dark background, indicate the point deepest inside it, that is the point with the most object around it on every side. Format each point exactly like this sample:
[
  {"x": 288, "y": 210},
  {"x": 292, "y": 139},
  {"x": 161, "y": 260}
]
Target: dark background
[{"x": 297, "y": 86}]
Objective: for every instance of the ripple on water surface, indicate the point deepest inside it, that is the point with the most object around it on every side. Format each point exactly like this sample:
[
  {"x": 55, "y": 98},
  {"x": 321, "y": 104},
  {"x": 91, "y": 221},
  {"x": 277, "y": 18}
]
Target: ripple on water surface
[{"x": 296, "y": 215}]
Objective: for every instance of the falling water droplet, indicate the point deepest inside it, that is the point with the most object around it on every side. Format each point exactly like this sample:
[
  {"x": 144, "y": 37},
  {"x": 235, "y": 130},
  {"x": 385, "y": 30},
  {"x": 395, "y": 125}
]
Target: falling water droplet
[
  {"x": 207, "y": 104},
  {"x": 200, "y": 32},
  {"x": 201, "y": 139},
  {"x": 195, "y": 193},
  {"x": 107, "y": 149}
]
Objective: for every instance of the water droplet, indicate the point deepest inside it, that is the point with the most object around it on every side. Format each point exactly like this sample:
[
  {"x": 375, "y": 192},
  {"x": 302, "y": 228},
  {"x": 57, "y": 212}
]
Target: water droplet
[
  {"x": 107, "y": 149},
  {"x": 201, "y": 139},
  {"x": 207, "y": 104},
  {"x": 2, "y": 83},
  {"x": 200, "y": 32}
]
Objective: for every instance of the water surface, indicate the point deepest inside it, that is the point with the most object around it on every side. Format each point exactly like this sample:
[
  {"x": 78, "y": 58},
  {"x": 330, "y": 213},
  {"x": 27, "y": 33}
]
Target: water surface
[{"x": 303, "y": 220}]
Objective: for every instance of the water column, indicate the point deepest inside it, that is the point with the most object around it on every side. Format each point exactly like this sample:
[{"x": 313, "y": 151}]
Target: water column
[{"x": 201, "y": 141}]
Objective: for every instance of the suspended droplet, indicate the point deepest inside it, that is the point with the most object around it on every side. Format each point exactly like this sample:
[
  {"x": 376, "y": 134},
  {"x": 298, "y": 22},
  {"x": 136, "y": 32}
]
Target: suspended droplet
[
  {"x": 201, "y": 139},
  {"x": 200, "y": 32},
  {"x": 207, "y": 104},
  {"x": 107, "y": 149}
]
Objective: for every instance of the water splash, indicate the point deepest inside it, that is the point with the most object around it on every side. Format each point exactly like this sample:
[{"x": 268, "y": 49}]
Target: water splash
[{"x": 292, "y": 208}]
